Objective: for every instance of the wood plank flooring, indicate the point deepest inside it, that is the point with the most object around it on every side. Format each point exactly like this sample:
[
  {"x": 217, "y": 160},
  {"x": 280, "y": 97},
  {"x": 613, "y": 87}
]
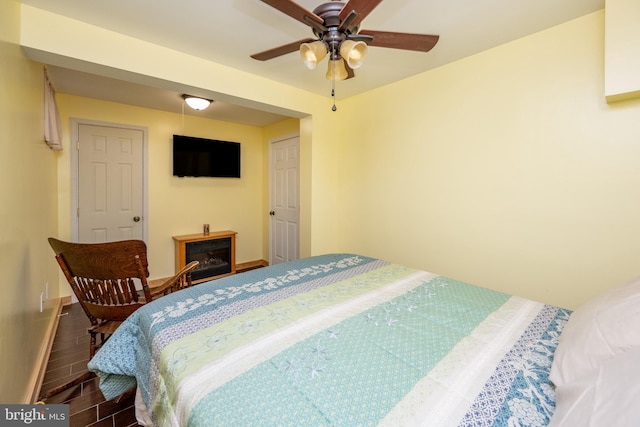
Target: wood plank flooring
[{"x": 68, "y": 359}]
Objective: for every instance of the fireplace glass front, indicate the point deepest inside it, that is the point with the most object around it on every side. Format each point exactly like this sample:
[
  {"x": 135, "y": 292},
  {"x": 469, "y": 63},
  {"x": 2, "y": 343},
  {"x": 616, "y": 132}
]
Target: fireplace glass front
[{"x": 214, "y": 257}]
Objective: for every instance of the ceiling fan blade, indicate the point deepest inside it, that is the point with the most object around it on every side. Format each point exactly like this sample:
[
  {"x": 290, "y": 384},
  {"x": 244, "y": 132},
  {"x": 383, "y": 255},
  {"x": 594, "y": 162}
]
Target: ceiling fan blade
[
  {"x": 406, "y": 41},
  {"x": 361, "y": 8},
  {"x": 297, "y": 12},
  {"x": 280, "y": 50}
]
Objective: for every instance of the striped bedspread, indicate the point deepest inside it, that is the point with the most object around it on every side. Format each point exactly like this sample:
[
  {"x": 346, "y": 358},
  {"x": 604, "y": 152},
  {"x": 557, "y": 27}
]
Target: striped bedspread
[{"x": 340, "y": 340}]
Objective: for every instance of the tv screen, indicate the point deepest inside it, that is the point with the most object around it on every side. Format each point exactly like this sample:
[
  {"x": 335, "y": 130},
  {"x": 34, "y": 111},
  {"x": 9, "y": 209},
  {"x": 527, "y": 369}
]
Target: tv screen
[{"x": 205, "y": 157}]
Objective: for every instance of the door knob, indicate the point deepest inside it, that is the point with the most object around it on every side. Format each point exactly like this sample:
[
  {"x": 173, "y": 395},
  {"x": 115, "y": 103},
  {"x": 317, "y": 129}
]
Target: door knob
[
  {"x": 272, "y": 213},
  {"x": 136, "y": 219}
]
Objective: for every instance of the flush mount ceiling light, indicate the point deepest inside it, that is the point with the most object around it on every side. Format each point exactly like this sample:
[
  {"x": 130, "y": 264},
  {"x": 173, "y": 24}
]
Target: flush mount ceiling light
[{"x": 196, "y": 102}]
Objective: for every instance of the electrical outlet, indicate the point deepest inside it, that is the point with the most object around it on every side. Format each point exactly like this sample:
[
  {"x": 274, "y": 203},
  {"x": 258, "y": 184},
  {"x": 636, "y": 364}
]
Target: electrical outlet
[{"x": 41, "y": 301}]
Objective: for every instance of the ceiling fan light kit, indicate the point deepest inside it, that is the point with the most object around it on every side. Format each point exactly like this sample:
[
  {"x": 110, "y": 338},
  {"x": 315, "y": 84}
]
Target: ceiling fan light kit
[
  {"x": 336, "y": 70},
  {"x": 312, "y": 53},
  {"x": 353, "y": 53},
  {"x": 195, "y": 102},
  {"x": 336, "y": 26}
]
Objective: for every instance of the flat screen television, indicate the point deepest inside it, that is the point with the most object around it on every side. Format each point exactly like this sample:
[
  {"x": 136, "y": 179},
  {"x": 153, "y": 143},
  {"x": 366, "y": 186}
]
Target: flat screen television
[{"x": 200, "y": 157}]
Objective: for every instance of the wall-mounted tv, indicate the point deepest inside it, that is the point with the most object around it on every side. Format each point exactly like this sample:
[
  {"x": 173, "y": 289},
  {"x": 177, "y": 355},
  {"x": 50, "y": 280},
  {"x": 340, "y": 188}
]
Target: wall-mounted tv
[{"x": 205, "y": 157}]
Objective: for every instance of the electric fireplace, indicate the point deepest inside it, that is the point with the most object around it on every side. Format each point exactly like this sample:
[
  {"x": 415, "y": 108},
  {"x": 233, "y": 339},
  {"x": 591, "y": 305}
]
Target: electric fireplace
[{"x": 215, "y": 253}]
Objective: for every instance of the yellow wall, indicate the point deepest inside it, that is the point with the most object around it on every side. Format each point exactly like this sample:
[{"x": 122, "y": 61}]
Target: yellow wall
[
  {"x": 28, "y": 206},
  {"x": 506, "y": 169},
  {"x": 182, "y": 205},
  {"x": 502, "y": 165},
  {"x": 622, "y": 50},
  {"x": 54, "y": 39}
]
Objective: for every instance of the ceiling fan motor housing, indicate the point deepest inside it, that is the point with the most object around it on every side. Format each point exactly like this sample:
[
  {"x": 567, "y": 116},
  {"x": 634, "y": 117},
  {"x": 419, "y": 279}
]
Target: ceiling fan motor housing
[{"x": 333, "y": 36}]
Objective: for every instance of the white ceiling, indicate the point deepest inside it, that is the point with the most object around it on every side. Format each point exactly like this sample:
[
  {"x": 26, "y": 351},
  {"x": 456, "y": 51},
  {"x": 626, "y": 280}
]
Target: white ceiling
[{"x": 228, "y": 31}]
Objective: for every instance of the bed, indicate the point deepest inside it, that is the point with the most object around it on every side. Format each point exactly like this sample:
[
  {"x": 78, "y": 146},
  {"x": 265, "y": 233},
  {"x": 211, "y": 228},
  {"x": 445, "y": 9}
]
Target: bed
[{"x": 341, "y": 340}]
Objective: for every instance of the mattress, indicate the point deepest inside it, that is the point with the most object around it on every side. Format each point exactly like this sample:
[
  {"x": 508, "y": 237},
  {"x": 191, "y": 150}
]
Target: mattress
[{"x": 337, "y": 340}]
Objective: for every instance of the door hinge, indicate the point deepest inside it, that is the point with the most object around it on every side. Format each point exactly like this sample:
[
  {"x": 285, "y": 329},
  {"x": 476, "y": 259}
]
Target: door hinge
[
  {"x": 78, "y": 213},
  {"x": 78, "y": 145}
]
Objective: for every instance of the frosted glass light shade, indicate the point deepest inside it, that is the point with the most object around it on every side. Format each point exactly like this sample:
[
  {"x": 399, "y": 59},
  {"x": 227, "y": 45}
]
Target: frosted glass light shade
[
  {"x": 337, "y": 70},
  {"x": 312, "y": 53},
  {"x": 195, "y": 102},
  {"x": 353, "y": 52}
]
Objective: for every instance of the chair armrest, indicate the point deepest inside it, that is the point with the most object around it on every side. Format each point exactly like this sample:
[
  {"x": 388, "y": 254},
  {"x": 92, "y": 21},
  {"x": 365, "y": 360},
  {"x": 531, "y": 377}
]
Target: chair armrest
[{"x": 182, "y": 279}]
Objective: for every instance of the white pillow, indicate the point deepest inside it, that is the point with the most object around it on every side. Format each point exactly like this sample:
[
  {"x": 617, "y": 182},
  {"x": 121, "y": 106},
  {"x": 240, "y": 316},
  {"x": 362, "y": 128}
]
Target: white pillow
[
  {"x": 608, "y": 396},
  {"x": 603, "y": 327}
]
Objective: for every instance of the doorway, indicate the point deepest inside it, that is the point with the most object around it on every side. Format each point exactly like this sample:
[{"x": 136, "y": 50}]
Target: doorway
[
  {"x": 108, "y": 179},
  {"x": 284, "y": 197}
]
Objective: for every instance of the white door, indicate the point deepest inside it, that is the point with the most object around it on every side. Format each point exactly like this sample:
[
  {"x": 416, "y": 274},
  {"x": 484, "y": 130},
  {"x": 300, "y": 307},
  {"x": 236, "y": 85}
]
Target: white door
[
  {"x": 110, "y": 183},
  {"x": 284, "y": 195}
]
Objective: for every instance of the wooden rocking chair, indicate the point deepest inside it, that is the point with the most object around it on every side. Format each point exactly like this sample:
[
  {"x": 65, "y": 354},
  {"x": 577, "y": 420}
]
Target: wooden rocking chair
[{"x": 103, "y": 276}]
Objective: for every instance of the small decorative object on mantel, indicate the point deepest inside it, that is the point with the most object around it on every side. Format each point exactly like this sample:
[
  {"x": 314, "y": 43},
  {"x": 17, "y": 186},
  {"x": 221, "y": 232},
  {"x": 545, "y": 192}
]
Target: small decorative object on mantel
[{"x": 205, "y": 229}]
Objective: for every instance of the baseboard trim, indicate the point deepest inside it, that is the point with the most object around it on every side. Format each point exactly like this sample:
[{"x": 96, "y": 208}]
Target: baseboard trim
[
  {"x": 245, "y": 266},
  {"x": 43, "y": 357}
]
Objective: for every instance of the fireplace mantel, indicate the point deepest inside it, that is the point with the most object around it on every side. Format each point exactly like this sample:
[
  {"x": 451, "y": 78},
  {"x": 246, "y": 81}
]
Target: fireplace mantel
[{"x": 216, "y": 252}]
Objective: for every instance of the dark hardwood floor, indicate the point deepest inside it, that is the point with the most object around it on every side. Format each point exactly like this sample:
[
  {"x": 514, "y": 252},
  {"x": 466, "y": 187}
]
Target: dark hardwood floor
[{"x": 68, "y": 359}]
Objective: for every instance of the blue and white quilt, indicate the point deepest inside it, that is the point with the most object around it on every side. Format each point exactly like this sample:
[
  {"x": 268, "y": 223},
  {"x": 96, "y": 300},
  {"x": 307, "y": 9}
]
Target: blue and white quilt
[{"x": 337, "y": 340}]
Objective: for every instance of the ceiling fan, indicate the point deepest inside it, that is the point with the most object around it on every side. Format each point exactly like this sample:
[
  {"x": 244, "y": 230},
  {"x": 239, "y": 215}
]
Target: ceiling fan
[{"x": 336, "y": 26}]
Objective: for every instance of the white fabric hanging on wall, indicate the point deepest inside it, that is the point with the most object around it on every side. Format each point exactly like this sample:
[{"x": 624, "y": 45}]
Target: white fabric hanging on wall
[{"x": 51, "y": 117}]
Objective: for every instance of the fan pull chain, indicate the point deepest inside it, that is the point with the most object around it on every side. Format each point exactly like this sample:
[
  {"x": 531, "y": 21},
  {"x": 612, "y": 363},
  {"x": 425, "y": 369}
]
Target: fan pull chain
[{"x": 333, "y": 87}]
